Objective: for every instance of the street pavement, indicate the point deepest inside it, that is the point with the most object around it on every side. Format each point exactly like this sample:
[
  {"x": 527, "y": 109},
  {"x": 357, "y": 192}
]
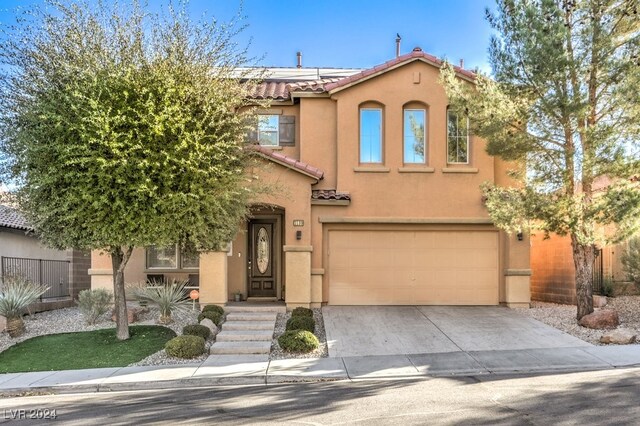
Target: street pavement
[{"x": 584, "y": 398}]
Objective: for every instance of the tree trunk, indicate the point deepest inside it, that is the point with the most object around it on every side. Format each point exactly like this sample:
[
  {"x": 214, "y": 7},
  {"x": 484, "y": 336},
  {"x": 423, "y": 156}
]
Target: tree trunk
[
  {"x": 583, "y": 258},
  {"x": 119, "y": 259}
]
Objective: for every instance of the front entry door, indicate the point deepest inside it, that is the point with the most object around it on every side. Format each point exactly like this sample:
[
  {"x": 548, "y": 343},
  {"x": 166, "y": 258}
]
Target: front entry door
[{"x": 262, "y": 258}]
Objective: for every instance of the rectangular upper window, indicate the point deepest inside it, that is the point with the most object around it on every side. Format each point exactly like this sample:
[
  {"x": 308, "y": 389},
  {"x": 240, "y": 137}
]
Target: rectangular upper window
[
  {"x": 370, "y": 135},
  {"x": 171, "y": 257},
  {"x": 457, "y": 138},
  {"x": 268, "y": 130},
  {"x": 414, "y": 136}
]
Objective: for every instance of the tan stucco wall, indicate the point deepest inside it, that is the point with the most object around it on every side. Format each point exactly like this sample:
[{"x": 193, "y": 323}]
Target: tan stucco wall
[
  {"x": 393, "y": 193},
  {"x": 213, "y": 278},
  {"x": 298, "y": 273},
  {"x": 318, "y": 138}
]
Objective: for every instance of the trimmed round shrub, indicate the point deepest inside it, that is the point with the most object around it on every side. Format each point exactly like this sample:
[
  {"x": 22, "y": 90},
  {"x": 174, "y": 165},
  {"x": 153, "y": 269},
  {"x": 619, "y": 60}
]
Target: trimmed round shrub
[
  {"x": 298, "y": 341},
  {"x": 302, "y": 312},
  {"x": 301, "y": 323},
  {"x": 196, "y": 330},
  {"x": 213, "y": 316},
  {"x": 185, "y": 346},
  {"x": 213, "y": 308}
]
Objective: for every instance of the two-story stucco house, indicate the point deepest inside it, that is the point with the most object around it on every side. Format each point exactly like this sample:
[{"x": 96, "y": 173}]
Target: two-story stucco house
[{"x": 382, "y": 203}]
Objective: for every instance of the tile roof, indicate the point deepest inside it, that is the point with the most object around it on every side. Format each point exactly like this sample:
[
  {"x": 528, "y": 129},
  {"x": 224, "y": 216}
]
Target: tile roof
[
  {"x": 292, "y": 163},
  {"x": 12, "y": 218},
  {"x": 416, "y": 54},
  {"x": 280, "y": 90},
  {"x": 329, "y": 194}
]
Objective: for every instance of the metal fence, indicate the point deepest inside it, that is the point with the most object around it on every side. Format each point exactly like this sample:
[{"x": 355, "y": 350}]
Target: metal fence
[
  {"x": 597, "y": 273},
  {"x": 52, "y": 273}
]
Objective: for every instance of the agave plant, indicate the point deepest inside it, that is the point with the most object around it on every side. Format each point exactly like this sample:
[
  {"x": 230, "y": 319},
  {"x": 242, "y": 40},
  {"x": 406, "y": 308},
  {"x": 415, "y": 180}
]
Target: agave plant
[
  {"x": 15, "y": 295},
  {"x": 170, "y": 297}
]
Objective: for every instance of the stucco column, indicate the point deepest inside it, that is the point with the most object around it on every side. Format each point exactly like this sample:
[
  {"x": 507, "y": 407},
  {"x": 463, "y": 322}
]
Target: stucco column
[
  {"x": 213, "y": 278},
  {"x": 517, "y": 272},
  {"x": 297, "y": 261}
]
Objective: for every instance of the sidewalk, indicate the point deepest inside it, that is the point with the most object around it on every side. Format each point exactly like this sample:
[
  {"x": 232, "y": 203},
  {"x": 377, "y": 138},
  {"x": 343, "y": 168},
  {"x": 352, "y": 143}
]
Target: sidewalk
[{"x": 257, "y": 369}]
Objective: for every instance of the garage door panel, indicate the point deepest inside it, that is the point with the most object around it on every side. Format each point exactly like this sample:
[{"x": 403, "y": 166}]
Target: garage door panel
[{"x": 417, "y": 267}]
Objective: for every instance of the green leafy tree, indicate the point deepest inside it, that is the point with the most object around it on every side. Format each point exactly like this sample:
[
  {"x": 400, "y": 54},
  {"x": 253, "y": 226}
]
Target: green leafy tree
[
  {"x": 564, "y": 101},
  {"x": 121, "y": 128}
]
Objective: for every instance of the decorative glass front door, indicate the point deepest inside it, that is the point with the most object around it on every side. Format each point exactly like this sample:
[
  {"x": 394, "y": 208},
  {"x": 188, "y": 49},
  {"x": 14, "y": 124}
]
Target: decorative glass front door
[{"x": 262, "y": 270}]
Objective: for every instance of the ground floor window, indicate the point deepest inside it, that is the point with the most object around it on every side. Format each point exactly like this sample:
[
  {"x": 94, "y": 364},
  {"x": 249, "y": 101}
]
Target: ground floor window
[{"x": 171, "y": 257}]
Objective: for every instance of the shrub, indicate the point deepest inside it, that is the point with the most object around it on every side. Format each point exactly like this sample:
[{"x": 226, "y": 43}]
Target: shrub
[
  {"x": 213, "y": 316},
  {"x": 213, "y": 308},
  {"x": 15, "y": 295},
  {"x": 185, "y": 346},
  {"x": 302, "y": 312},
  {"x": 298, "y": 341},
  {"x": 196, "y": 330},
  {"x": 169, "y": 297},
  {"x": 631, "y": 260},
  {"x": 94, "y": 303},
  {"x": 301, "y": 323}
]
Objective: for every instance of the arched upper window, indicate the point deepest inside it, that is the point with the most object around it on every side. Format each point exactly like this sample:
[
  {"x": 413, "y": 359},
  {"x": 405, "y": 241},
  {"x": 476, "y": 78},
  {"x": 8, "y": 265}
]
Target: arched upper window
[
  {"x": 457, "y": 138},
  {"x": 414, "y": 133},
  {"x": 371, "y": 118}
]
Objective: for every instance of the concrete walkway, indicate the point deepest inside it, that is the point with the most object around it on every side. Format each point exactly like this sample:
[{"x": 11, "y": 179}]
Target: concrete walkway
[
  {"x": 257, "y": 369},
  {"x": 397, "y": 330}
]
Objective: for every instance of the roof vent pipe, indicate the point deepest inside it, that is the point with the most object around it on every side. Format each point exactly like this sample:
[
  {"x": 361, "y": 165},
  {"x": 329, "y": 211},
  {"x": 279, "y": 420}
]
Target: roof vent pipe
[
  {"x": 462, "y": 63},
  {"x": 398, "y": 38},
  {"x": 299, "y": 56}
]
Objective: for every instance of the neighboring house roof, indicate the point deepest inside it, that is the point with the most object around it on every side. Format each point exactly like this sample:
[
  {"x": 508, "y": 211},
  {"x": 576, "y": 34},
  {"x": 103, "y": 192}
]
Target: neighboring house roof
[
  {"x": 416, "y": 54},
  {"x": 289, "y": 162},
  {"x": 12, "y": 218}
]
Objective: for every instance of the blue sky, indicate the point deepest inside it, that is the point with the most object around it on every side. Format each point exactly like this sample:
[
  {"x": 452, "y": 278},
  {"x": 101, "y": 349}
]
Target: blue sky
[{"x": 348, "y": 33}]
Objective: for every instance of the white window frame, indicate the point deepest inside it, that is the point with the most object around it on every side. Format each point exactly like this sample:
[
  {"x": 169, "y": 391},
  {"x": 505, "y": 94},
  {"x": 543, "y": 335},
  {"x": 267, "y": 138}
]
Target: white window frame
[
  {"x": 424, "y": 136},
  {"x": 458, "y": 138},
  {"x": 179, "y": 266},
  {"x": 277, "y": 130},
  {"x": 360, "y": 135}
]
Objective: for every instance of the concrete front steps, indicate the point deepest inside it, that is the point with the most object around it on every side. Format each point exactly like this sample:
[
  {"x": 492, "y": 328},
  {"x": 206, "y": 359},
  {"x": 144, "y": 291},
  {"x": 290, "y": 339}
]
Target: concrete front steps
[{"x": 248, "y": 329}]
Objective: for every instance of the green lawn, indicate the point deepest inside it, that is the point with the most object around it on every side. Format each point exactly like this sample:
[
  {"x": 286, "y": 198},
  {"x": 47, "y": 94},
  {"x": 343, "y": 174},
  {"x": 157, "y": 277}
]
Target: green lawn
[{"x": 88, "y": 349}]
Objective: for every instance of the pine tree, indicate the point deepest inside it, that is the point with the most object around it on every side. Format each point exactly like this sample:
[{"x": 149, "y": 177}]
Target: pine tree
[{"x": 564, "y": 100}]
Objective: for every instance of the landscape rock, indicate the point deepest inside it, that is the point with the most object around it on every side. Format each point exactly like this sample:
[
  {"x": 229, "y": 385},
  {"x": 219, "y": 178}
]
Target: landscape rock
[
  {"x": 599, "y": 301},
  {"x": 133, "y": 314},
  {"x": 211, "y": 326},
  {"x": 605, "y": 318},
  {"x": 621, "y": 336}
]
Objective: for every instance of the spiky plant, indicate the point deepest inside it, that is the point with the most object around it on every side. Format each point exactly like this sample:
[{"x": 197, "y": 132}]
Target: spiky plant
[
  {"x": 15, "y": 295},
  {"x": 169, "y": 297}
]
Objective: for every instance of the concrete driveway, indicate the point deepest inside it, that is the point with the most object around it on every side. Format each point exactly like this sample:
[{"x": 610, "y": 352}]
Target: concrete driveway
[{"x": 403, "y": 330}]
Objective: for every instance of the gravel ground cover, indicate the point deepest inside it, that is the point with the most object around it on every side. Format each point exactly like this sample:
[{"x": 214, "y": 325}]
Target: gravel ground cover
[
  {"x": 281, "y": 324},
  {"x": 563, "y": 317}
]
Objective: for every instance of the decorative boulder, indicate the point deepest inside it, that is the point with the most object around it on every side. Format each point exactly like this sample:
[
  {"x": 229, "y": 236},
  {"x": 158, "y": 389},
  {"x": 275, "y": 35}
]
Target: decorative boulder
[
  {"x": 211, "y": 326},
  {"x": 621, "y": 336},
  {"x": 599, "y": 301},
  {"x": 132, "y": 314},
  {"x": 605, "y": 318}
]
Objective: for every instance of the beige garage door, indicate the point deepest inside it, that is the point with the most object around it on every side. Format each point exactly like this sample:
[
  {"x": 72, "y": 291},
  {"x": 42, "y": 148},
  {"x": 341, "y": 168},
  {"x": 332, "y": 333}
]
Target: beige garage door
[{"x": 413, "y": 267}]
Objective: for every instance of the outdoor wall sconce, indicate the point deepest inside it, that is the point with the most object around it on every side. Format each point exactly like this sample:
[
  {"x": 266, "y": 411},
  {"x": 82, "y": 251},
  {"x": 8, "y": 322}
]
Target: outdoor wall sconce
[
  {"x": 298, "y": 235},
  {"x": 520, "y": 236}
]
